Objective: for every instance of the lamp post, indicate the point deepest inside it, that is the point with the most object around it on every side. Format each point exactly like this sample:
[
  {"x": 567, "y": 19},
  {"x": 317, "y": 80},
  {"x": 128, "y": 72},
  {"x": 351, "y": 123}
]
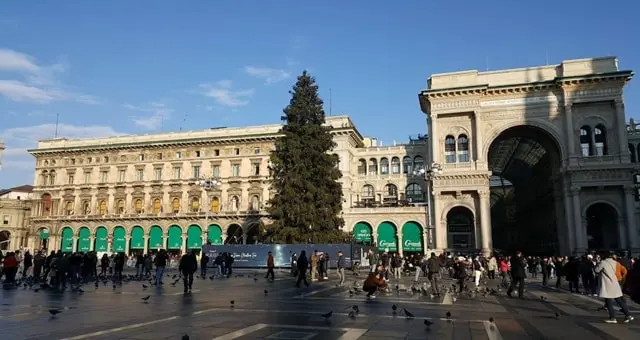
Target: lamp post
[
  {"x": 429, "y": 173},
  {"x": 208, "y": 184}
]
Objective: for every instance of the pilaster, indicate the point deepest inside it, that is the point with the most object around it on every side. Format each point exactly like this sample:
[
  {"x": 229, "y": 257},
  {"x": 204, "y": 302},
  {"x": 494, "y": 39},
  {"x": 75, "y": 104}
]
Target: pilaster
[
  {"x": 485, "y": 221},
  {"x": 580, "y": 225}
]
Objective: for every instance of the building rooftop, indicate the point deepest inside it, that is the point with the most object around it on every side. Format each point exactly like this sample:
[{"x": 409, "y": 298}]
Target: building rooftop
[{"x": 23, "y": 188}]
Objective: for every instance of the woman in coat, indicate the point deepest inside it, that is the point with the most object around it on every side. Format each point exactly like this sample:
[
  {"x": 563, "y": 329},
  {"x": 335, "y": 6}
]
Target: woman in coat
[{"x": 609, "y": 288}]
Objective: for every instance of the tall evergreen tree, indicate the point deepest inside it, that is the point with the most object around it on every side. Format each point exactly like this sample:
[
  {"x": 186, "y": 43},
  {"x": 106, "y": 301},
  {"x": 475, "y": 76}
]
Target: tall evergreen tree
[{"x": 308, "y": 196}]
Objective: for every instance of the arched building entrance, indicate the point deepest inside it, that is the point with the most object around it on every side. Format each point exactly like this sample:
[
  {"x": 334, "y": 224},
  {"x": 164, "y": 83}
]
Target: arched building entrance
[
  {"x": 460, "y": 229},
  {"x": 602, "y": 227},
  {"x": 525, "y": 162},
  {"x": 5, "y": 240}
]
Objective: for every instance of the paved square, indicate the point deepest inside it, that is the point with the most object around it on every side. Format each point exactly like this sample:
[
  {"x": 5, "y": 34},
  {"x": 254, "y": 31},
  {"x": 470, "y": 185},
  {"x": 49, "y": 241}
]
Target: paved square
[{"x": 286, "y": 312}]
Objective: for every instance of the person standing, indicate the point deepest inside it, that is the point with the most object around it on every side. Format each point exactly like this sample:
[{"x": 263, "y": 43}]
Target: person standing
[
  {"x": 161, "y": 263},
  {"x": 303, "y": 266},
  {"x": 270, "y": 266},
  {"x": 314, "y": 265},
  {"x": 38, "y": 263},
  {"x": 518, "y": 275},
  {"x": 188, "y": 266},
  {"x": 28, "y": 263},
  {"x": 139, "y": 265},
  {"x": 204, "y": 262},
  {"x": 433, "y": 273},
  {"x": 610, "y": 289},
  {"x": 340, "y": 266}
]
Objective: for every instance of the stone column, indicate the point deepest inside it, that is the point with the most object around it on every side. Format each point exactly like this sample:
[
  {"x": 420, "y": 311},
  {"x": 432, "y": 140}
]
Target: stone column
[
  {"x": 477, "y": 138},
  {"x": 183, "y": 246},
  {"x": 440, "y": 227},
  {"x": 127, "y": 244},
  {"x": 399, "y": 243},
  {"x": 568, "y": 115},
  {"x": 571, "y": 232},
  {"x": 485, "y": 221},
  {"x": 146, "y": 243},
  {"x": 632, "y": 233},
  {"x": 622, "y": 130},
  {"x": 374, "y": 236},
  {"x": 622, "y": 232},
  {"x": 434, "y": 138},
  {"x": 580, "y": 228}
]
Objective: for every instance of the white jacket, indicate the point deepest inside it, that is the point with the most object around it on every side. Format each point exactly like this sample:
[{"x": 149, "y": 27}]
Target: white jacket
[{"x": 608, "y": 286}]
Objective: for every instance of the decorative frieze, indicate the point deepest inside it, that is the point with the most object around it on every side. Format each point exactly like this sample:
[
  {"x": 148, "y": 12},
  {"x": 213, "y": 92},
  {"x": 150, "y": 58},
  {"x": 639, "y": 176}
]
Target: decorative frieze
[
  {"x": 598, "y": 92},
  {"x": 454, "y": 104},
  {"x": 518, "y": 101}
]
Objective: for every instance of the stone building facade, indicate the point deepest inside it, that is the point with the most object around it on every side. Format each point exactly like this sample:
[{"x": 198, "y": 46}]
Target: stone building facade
[
  {"x": 139, "y": 193},
  {"x": 15, "y": 211},
  {"x": 574, "y": 110}
]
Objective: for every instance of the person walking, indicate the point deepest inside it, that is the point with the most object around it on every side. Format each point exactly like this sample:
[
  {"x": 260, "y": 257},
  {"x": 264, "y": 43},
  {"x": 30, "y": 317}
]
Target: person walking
[
  {"x": 161, "y": 263},
  {"x": 433, "y": 273},
  {"x": 270, "y": 266},
  {"x": 204, "y": 263},
  {"x": 610, "y": 289},
  {"x": 340, "y": 266},
  {"x": 518, "y": 274},
  {"x": 303, "y": 266},
  {"x": 188, "y": 266}
]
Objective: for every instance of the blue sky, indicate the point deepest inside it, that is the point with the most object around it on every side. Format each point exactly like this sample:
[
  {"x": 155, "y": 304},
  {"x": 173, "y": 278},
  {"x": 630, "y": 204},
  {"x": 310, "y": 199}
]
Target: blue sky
[{"x": 123, "y": 67}]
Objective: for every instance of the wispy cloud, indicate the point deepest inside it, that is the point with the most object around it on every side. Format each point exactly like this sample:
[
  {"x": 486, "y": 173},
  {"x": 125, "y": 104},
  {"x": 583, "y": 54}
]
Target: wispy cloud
[
  {"x": 156, "y": 114},
  {"x": 269, "y": 75},
  {"x": 33, "y": 82},
  {"x": 223, "y": 93}
]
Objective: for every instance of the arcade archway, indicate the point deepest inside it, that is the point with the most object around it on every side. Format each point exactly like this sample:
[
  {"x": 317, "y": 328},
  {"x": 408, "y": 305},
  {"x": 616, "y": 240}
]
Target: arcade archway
[
  {"x": 602, "y": 227},
  {"x": 234, "y": 234},
  {"x": 525, "y": 161},
  {"x": 461, "y": 228}
]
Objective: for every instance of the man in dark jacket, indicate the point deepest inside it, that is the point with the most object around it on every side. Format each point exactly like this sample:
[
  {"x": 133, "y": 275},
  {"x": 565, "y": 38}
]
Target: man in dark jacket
[
  {"x": 188, "y": 266},
  {"x": 433, "y": 272},
  {"x": 518, "y": 274},
  {"x": 303, "y": 265}
]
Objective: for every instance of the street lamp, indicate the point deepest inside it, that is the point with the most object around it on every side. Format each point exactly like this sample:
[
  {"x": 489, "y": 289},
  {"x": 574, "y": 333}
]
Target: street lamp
[
  {"x": 429, "y": 173},
  {"x": 208, "y": 184}
]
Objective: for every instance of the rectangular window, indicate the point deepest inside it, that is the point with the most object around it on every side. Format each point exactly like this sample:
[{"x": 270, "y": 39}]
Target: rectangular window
[
  {"x": 73, "y": 161},
  {"x": 158, "y": 172},
  {"x": 121, "y": 175},
  {"x": 384, "y": 168},
  {"x": 197, "y": 154},
  {"x": 139, "y": 175},
  {"x": 196, "y": 172},
  {"x": 104, "y": 176},
  {"x": 106, "y": 159},
  {"x": 178, "y": 155},
  {"x": 141, "y": 157},
  {"x": 255, "y": 169},
  {"x": 236, "y": 151},
  {"x": 463, "y": 156},
  {"x": 89, "y": 160},
  {"x": 176, "y": 173},
  {"x": 6, "y": 219},
  {"x": 159, "y": 156},
  {"x": 216, "y": 171},
  {"x": 87, "y": 177},
  {"x": 70, "y": 179},
  {"x": 235, "y": 170},
  {"x": 216, "y": 152}
]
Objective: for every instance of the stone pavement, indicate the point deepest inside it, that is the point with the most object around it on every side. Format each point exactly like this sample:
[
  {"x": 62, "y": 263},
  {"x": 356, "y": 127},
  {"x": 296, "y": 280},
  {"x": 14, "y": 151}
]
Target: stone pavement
[{"x": 286, "y": 312}]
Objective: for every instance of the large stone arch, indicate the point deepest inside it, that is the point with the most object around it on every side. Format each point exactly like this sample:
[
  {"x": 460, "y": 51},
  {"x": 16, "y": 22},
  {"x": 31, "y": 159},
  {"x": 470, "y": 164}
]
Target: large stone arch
[
  {"x": 610, "y": 231},
  {"x": 589, "y": 203},
  {"x": 447, "y": 208},
  {"x": 552, "y": 131}
]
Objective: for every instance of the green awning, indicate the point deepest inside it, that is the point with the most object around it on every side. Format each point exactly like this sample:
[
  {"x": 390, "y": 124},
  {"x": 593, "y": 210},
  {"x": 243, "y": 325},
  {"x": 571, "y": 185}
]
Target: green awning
[
  {"x": 362, "y": 232},
  {"x": 119, "y": 240},
  {"x": 175, "y": 238},
  {"x": 66, "y": 242},
  {"x": 102, "y": 242},
  {"x": 137, "y": 238},
  {"x": 412, "y": 237},
  {"x": 84, "y": 240},
  {"x": 215, "y": 234},
  {"x": 44, "y": 234},
  {"x": 387, "y": 240},
  {"x": 156, "y": 240},
  {"x": 194, "y": 237}
]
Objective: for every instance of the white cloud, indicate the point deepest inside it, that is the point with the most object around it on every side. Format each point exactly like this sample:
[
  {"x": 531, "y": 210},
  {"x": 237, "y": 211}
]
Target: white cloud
[
  {"x": 270, "y": 75},
  {"x": 34, "y": 82},
  {"x": 156, "y": 114},
  {"x": 222, "y": 93}
]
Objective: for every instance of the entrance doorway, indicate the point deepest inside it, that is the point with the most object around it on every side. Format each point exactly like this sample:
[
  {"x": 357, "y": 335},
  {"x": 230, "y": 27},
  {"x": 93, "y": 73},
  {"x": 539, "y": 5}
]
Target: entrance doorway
[
  {"x": 602, "y": 227},
  {"x": 525, "y": 161},
  {"x": 5, "y": 235},
  {"x": 461, "y": 229}
]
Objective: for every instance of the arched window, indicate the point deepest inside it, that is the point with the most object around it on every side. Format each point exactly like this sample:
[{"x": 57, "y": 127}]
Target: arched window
[
  {"x": 215, "y": 205},
  {"x": 418, "y": 163},
  {"x": 235, "y": 203},
  {"x": 407, "y": 163},
  {"x": 157, "y": 206},
  {"x": 450, "y": 149},
  {"x": 195, "y": 204},
  {"x": 632, "y": 151},
  {"x": 255, "y": 203},
  {"x": 52, "y": 177},
  {"x": 368, "y": 191},
  {"x": 86, "y": 208},
  {"x": 138, "y": 206},
  {"x": 103, "y": 207},
  {"x": 69, "y": 208},
  {"x": 175, "y": 205},
  {"x": 463, "y": 149},
  {"x": 120, "y": 207},
  {"x": 414, "y": 193},
  {"x": 384, "y": 166},
  {"x": 46, "y": 162},
  {"x": 600, "y": 139},
  {"x": 47, "y": 204},
  {"x": 362, "y": 167},
  {"x": 391, "y": 190},
  {"x": 395, "y": 165},
  {"x": 585, "y": 141},
  {"x": 373, "y": 166}
]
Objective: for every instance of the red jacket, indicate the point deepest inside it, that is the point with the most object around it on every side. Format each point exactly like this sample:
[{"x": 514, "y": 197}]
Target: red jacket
[{"x": 10, "y": 262}]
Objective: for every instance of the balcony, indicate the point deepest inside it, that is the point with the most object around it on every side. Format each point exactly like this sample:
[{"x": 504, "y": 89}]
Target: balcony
[
  {"x": 388, "y": 202},
  {"x": 149, "y": 216}
]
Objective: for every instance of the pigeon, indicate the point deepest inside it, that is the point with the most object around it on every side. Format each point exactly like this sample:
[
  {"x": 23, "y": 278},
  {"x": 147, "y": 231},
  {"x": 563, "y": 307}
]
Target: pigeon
[
  {"x": 350, "y": 292},
  {"x": 232, "y": 302},
  {"x": 146, "y": 298},
  {"x": 394, "y": 308},
  {"x": 185, "y": 337},
  {"x": 448, "y": 315},
  {"x": 114, "y": 286},
  {"x": 491, "y": 320},
  {"x": 54, "y": 312},
  {"x": 352, "y": 314},
  {"x": 144, "y": 286},
  {"x": 407, "y": 313},
  {"x": 266, "y": 292},
  {"x": 327, "y": 316},
  {"x": 557, "y": 315},
  {"x": 255, "y": 279},
  {"x": 356, "y": 309},
  {"x": 428, "y": 323}
]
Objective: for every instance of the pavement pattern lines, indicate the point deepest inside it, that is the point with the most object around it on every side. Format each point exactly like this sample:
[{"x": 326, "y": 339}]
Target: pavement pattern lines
[{"x": 207, "y": 314}]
